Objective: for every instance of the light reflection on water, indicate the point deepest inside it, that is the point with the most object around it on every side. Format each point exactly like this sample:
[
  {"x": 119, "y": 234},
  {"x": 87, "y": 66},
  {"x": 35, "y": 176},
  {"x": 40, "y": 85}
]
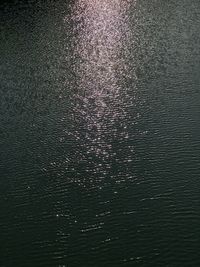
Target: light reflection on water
[{"x": 100, "y": 104}]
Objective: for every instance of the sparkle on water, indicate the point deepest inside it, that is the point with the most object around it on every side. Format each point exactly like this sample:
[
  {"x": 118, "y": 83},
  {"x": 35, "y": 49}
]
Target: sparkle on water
[{"x": 100, "y": 102}]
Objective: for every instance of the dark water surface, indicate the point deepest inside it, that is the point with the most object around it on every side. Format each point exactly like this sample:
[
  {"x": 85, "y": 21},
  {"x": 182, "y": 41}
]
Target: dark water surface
[{"x": 100, "y": 133}]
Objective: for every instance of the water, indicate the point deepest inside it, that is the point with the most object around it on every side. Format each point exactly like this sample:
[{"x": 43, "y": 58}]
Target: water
[{"x": 99, "y": 133}]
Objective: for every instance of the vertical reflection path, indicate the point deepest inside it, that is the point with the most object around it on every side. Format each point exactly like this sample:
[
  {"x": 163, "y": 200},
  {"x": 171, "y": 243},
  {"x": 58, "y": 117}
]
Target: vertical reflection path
[{"x": 100, "y": 102}]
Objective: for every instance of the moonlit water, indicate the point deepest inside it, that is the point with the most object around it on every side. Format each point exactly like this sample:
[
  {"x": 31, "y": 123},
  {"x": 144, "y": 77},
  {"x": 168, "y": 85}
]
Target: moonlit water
[{"x": 99, "y": 133}]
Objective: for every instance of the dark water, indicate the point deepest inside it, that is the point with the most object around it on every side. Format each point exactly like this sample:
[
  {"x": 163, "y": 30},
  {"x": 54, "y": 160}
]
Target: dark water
[{"x": 100, "y": 133}]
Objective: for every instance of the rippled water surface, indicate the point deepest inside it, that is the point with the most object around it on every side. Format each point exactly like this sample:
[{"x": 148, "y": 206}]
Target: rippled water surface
[{"x": 100, "y": 133}]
